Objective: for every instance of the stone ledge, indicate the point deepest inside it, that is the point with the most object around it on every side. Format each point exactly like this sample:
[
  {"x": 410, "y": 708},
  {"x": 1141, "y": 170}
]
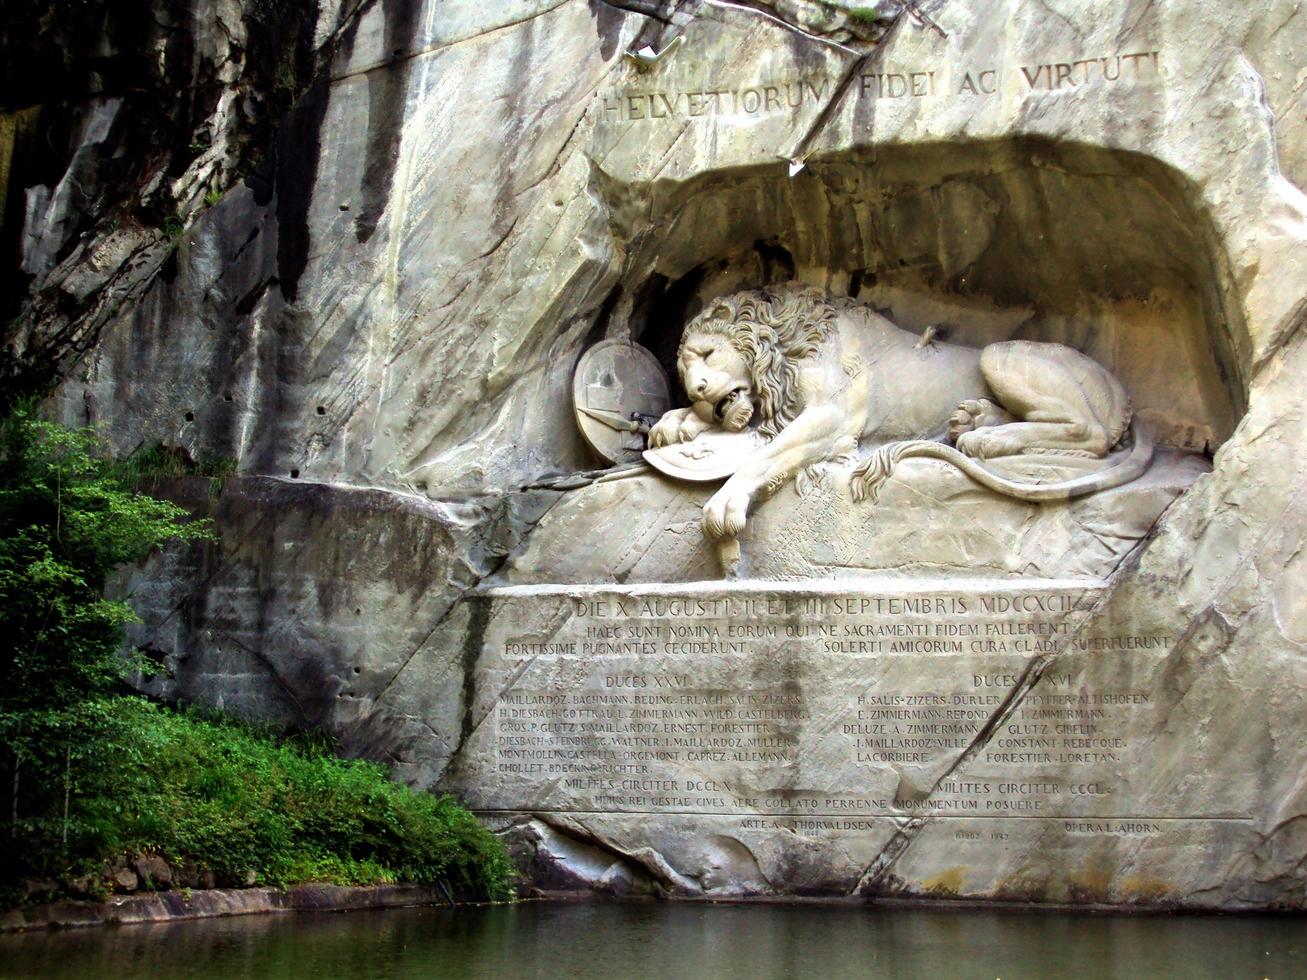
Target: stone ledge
[
  {"x": 930, "y": 521},
  {"x": 206, "y": 904}
]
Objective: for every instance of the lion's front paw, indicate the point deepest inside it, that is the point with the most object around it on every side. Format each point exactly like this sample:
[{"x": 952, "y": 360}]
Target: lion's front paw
[
  {"x": 679, "y": 425},
  {"x": 663, "y": 433},
  {"x": 725, "y": 514},
  {"x": 667, "y": 430}
]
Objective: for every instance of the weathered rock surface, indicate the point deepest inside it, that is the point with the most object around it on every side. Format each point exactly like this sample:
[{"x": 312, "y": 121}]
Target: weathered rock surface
[
  {"x": 118, "y": 126},
  {"x": 380, "y": 332},
  {"x": 153, "y": 871},
  {"x": 311, "y": 583}
]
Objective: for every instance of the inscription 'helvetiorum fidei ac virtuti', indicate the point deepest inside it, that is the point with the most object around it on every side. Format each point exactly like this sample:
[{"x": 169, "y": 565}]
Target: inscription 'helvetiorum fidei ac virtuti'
[{"x": 793, "y": 95}]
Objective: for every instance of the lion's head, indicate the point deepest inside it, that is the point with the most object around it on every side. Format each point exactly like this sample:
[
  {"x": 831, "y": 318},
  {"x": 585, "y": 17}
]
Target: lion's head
[{"x": 744, "y": 351}]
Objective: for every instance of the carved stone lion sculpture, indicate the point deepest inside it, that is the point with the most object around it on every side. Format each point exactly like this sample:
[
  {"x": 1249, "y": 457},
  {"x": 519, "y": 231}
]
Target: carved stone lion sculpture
[{"x": 816, "y": 377}]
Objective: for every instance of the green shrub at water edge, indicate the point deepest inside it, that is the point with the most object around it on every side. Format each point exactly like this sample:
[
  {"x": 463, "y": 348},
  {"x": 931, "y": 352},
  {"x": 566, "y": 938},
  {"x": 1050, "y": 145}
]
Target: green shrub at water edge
[{"x": 215, "y": 793}]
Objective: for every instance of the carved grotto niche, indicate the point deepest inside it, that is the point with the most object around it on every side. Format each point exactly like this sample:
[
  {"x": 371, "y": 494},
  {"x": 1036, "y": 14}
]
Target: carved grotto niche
[{"x": 1074, "y": 266}]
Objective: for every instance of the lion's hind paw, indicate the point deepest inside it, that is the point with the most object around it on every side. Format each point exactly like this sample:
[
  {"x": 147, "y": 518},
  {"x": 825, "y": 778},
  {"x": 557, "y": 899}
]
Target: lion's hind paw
[{"x": 972, "y": 414}]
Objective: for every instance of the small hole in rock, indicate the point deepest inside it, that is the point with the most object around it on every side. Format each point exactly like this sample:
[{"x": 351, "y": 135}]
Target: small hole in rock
[
  {"x": 226, "y": 398},
  {"x": 344, "y": 207},
  {"x": 322, "y": 410},
  {"x": 294, "y": 474},
  {"x": 190, "y": 416},
  {"x": 358, "y": 670}
]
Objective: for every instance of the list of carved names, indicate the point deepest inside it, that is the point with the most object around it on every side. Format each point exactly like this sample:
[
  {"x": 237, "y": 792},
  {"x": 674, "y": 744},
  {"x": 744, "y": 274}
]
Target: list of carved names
[{"x": 713, "y": 704}]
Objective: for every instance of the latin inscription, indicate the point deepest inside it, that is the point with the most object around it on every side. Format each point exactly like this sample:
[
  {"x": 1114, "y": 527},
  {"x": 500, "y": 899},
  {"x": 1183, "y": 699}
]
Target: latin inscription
[
  {"x": 783, "y": 96},
  {"x": 720, "y": 703},
  {"x": 792, "y": 95}
]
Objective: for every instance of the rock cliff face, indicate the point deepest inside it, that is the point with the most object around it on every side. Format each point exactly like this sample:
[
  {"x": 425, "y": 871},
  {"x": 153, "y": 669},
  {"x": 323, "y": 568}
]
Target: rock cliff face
[
  {"x": 375, "y": 307},
  {"x": 118, "y": 127}
]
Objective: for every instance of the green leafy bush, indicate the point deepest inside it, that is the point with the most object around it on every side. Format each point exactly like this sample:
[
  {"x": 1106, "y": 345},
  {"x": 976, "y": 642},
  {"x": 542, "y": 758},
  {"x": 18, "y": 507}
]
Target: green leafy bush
[
  {"x": 67, "y": 519},
  {"x": 213, "y": 792},
  {"x": 87, "y": 773}
]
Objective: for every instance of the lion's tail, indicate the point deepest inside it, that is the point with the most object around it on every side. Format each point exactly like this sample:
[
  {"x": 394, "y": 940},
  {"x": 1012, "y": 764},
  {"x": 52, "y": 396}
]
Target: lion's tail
[{"x": 871, "y": 473}]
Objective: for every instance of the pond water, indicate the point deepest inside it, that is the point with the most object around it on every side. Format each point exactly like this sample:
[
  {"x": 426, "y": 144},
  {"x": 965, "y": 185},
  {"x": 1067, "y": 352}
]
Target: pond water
[{"x": 566, "y": 939}]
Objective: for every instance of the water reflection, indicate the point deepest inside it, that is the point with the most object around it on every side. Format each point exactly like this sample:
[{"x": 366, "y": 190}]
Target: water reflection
[{"x": 671, "y": 940}]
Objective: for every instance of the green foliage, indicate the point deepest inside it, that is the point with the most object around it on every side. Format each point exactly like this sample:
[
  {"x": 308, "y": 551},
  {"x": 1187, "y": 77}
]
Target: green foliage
[
  {"x": 210, "y": 791},
  {"x": 173, "y": 226},
  {"x": 868, "y": 15},
  {"x": 146, "y": 466},
  {"x": 212, "y": 196},
  {"x": 87, "y": 774},
  {"x": 67, "y": 520},
  {"x": 284, "y": 82}
]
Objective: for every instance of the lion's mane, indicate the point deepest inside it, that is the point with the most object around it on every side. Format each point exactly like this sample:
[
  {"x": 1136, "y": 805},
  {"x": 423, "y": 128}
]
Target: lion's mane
[{"x": 773, "y": 332}]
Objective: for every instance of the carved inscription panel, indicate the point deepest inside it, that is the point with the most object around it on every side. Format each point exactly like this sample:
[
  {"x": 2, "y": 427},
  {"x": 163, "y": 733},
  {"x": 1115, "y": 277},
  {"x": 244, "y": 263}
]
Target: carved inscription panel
[
  {"x": 814, "y": 709},
  {"x": 791, "y": 95}
]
